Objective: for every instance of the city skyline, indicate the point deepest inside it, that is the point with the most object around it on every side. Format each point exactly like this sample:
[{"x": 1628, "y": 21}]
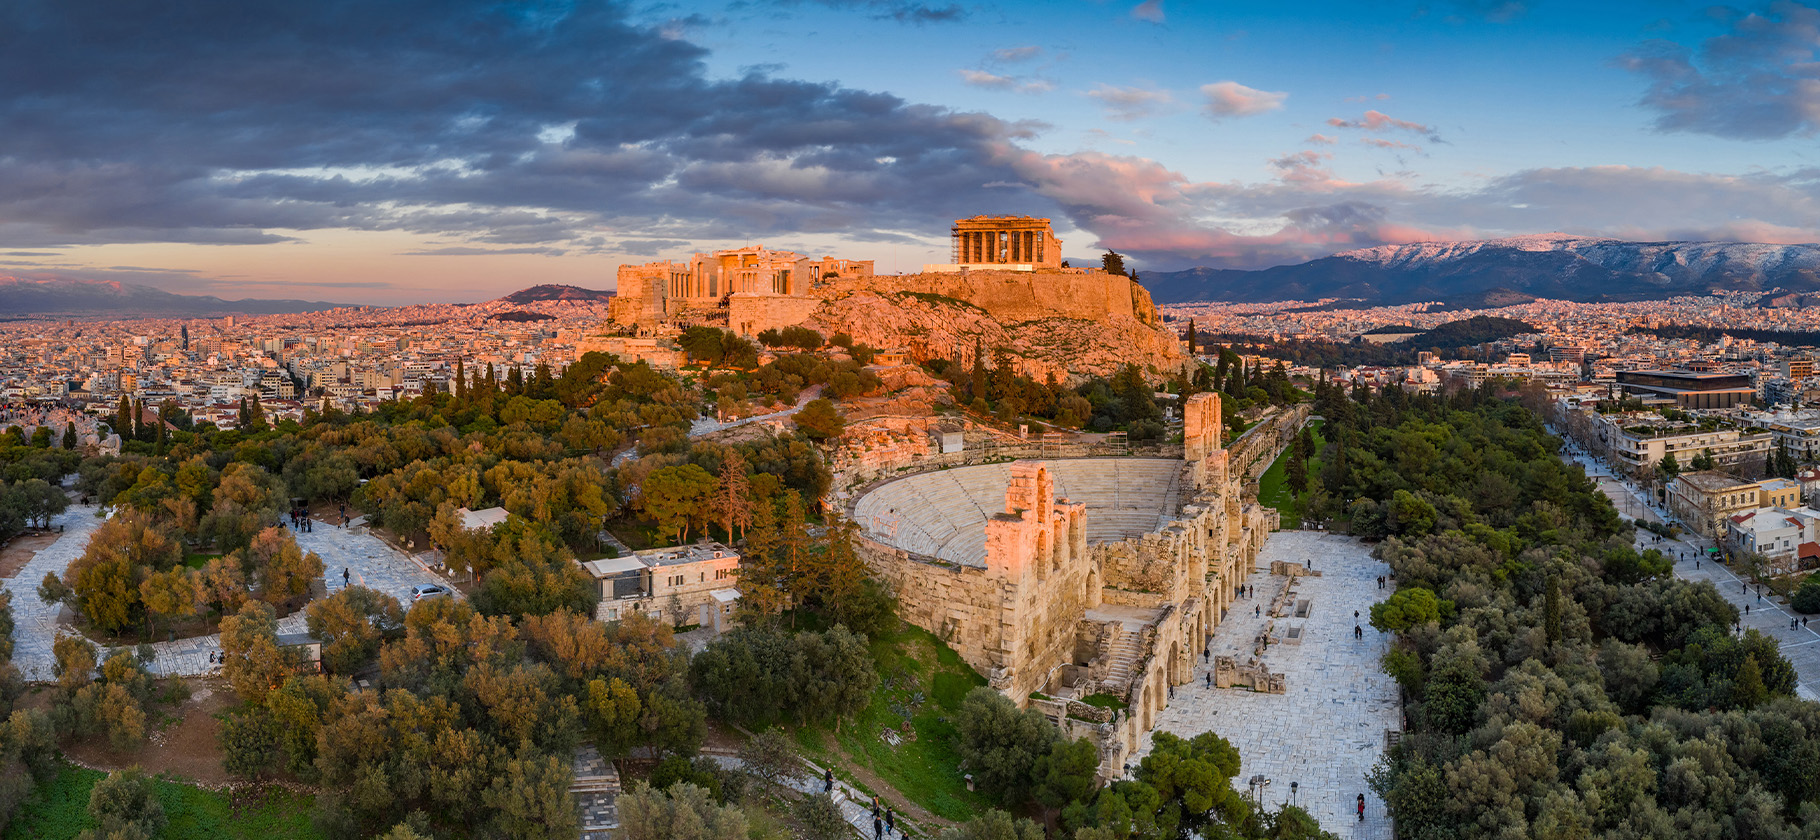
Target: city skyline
[{"x": 456, "y": 153}]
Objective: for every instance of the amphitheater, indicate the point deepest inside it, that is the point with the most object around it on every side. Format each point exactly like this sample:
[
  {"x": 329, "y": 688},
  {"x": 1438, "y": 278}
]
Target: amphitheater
[
  {"x": 943, "y": 514},
  {"x": 1066, "y": 582}
]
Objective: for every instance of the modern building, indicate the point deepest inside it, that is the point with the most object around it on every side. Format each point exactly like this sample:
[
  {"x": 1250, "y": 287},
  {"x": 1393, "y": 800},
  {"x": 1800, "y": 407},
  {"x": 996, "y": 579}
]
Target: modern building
[
  {"x": 690, "y": 584},
  {"x": 1688, "y": 389},
  {"x": 1636, "y": 442},
  {"x": 1785, "y": 538}
]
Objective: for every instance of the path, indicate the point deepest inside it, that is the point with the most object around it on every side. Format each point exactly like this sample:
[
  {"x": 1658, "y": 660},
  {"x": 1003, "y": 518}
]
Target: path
[
  {"x": 855, "y": 804},
  {"x": 370, "y": 562},
  {"x": 1328, "y": 730},
  {"x": 1800, "y": 644},
  {"x": 35, "y": 622}
]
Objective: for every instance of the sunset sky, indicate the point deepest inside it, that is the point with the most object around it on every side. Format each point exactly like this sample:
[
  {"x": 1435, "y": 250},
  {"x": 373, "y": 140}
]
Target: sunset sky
[{"x": 440, "y": 150}]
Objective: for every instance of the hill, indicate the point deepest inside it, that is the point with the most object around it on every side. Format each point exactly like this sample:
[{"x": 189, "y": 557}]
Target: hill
[
  {"x": 1500, "y": 272},
  {"x": 553, "y": 291},
  {"x": 68, "y": 295}
]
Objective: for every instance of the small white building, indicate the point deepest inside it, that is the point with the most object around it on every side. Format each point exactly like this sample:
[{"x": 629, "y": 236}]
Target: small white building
[
  {"x": 1778, "y": 535},
  {"x": 692, "y": 584}
]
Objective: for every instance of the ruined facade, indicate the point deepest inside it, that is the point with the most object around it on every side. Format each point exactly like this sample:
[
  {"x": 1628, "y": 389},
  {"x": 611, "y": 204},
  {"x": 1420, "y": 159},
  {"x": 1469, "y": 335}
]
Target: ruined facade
[
  {"x": 1017, "y": 243},
  {"x": 654, "y": 291},
  {"x": 1112, "y": 591}
]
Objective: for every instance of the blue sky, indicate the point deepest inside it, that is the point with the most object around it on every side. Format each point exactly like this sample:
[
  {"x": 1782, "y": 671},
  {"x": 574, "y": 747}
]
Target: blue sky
[{"x": 457, "y": 150}]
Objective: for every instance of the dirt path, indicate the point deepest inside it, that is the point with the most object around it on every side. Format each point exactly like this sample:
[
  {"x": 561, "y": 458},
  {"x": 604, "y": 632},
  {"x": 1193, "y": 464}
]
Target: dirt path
[
  {"x": 932, "y": 824},
  {"x": 20, "y": 550},
  {"x": 186, "y": 747}
]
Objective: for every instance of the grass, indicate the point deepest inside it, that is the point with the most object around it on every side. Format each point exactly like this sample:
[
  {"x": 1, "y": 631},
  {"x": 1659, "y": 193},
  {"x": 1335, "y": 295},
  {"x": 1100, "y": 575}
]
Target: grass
[
  {"x": 59, "y": 810},
  {"x": 195, "y": 560},
  {"x": 1273, "y": 486},
  {"x": 926, "y": 680},
  {"x": 1104, "y": 701}
]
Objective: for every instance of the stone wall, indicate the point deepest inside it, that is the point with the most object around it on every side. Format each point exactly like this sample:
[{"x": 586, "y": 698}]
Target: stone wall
[
  {"x": 1014, "y": 296},
  {"x": 750, "y": 313}
]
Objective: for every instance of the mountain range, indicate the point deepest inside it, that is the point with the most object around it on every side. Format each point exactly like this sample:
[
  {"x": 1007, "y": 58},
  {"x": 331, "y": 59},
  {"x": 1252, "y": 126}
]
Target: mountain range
[
  {"x": 68, "y": 295},
  {"x": 553, "y": 291},
  {"x": 1501, "y": 272}
]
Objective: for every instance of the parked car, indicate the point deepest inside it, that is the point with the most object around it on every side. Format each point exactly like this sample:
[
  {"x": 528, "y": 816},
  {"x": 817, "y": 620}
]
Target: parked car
[{"x": 429, "y": 590}]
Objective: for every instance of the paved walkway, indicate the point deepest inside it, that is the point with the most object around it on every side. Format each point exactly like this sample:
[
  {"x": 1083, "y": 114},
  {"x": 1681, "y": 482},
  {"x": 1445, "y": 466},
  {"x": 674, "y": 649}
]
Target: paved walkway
[
  {"x": 35, "y": 622},
  {"x": 1768, "y": 616},
  {"x": 369, "y": 561},
  {"x": 1327, "y": 731}
]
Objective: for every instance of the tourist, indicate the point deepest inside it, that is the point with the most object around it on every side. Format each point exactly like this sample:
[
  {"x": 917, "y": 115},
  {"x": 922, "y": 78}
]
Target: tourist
[
  {"x": 1257, "y": 612},
  {"x": 344, "y": 576},
  {"x": 890, "y": 821},
  {"x": 878, "y": 828},
  {"x": 1209, "y": 679},
  {"x": 1361, "y": 807},
  {"x": 828, "y": 780}
]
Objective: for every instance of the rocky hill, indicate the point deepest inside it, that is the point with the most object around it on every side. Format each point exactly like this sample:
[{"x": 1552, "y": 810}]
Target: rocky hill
[
  {"x": 1557, "y": 266},
  {"x": 73, "y": 296},
  {"x": 555, "y": 292}
]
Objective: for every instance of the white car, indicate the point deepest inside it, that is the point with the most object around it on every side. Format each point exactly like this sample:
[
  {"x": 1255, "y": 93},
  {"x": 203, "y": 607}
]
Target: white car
[{"x": 429, "y": 590}]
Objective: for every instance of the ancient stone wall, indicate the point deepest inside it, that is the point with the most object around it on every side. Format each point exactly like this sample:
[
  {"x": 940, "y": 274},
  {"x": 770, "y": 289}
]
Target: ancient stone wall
[
  {"x": 1013, "y": 296},
  {"x": 753, "y": 313}
]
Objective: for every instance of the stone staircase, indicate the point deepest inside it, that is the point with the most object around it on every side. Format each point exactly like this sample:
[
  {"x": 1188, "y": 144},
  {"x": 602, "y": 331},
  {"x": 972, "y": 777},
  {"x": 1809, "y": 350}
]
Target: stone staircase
[{"x": 1123, "y": 656}]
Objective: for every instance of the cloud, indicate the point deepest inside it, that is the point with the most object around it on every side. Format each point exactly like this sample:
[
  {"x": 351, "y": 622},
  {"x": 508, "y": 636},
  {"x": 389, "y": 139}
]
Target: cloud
[
  {"x": 1381, "y": 143},
  {"x": 1378, "y": 121},
  {"x": 1149, "y": 11},
  {"x": 1016, "y": 54},
  {"x": 898, "y": 10},
  {"x": 1320, "y": 140},
  {"x": 1131, "y": 103},
  {"x": 994, "y": 81},
  {"x": 1231, "y": 99},
  {"x": 469, "y": 251},
  {"x": 1757, "y": 81},
  {"x": 1381, "y": 96}
]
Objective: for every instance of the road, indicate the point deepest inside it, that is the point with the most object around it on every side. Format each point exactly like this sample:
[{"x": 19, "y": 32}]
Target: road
[{"x": 1800, "y": 644}]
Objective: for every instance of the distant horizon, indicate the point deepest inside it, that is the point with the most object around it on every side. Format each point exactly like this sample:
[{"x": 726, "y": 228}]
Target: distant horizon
[{"x": 268, "y": 151}]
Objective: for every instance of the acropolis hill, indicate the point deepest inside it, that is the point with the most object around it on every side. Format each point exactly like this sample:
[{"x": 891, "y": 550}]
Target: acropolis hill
[{"x": 1007, "y": 288}]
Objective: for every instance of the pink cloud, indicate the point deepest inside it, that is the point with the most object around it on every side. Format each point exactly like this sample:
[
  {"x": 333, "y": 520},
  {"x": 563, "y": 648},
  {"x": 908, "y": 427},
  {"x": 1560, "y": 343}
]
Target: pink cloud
[
  {"x": 1381, "y": 143},
  {"x": 1149, "y": 11},
  {"x": 1379, "y": 121},
  {"x": 1320, "y": 140},
  {"x": 1131, "y": 103},
  {"x": 1231, "y": 99}
]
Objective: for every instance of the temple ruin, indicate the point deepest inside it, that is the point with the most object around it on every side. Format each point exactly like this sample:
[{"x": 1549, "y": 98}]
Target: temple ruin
[
  {"x": 666, "y": 289},
  {"x": 1003, "y": 243},
  {"x": 1071, "y": 580}
]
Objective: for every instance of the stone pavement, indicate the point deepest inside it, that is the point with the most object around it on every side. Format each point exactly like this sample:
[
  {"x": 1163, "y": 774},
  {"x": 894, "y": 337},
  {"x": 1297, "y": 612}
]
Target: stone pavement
[
  {"x": 1327, "y": 731},
  {"x": 370, "y": 562},
  {"x": 1767, "y": 615},
  {"x": 36, "y": 622}
]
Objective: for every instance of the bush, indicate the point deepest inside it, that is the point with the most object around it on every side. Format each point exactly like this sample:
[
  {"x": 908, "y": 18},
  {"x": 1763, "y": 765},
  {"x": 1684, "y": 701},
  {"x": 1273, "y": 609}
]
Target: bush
[{"x": 1807, "y": 598}]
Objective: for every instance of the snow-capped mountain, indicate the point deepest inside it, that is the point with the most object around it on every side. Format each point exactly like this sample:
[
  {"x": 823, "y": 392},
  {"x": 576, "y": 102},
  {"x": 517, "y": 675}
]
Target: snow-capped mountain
[{"x": 1552, "y": 265}]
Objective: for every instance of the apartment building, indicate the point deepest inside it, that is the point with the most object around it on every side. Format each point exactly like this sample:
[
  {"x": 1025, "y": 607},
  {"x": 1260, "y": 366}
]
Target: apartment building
[{"x": 1704, "y": 500}]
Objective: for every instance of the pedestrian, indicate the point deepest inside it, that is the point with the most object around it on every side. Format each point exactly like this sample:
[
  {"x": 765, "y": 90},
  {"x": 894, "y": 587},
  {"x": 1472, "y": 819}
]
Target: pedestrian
[
  {"x": 344, "y": 576},
  {"x": 1257, "y": 612},
  {"x": 1205, "y": 654},
  {"x": 875, "y": 804},
  {"x": 878, "y": 828},
  {"x": 828, "y": 780},
  {"x": 1358, "y": 632},
  {"x": 890, "y": 821},
  {"x": 1361, "y": 807},
  {"x": 1747, "y": 609},
  {"x": 1209, "y": 679},
  {"x": 1355, "y": 615}
]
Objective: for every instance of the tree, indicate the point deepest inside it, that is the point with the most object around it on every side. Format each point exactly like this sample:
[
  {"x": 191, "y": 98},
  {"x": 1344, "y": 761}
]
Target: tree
[
  {"x": 282, "y": 570},
  {"x": 732, "y": 500},
  {"x": 104, "y": 581},
  {"x": 1669, "y": 466},
  {"x": 820, "y": 420},
  {"x": 821, "y": 818},
  {"x": 69, "y": 436},
  {"x": 124, "y": 804},
  {"x": 1112, "y": 262},
  {"x": 173, "y": 593},
  {"x": 252, "y": 661},
  {"x": 994, "y": 825},
  {"x": 531, "y": 799},
  {"x": 1068, "y": 773},
  {"x": 1000, "y": 744},
  {"x": 351, "y": 623},
  {"x": 249, "y": 743},
  {"x": 1807, "y": 597},
  {"x": 770, "y": 757},
  {"x": 1408, "y": 607},
  {"x": 675, "y": 497},
  {"x": 683, "y": 812},
  {"x": 1704, "y": 460},
  {"x": 1748, "y": 688}
]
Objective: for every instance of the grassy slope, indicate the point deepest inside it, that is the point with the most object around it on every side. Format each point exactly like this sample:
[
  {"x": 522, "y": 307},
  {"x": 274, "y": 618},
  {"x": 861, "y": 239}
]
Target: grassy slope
[
  {"x": 920, "y": 675},
  {"x": 1273, "y": 486},
  {"x": 59, "y": 810}
]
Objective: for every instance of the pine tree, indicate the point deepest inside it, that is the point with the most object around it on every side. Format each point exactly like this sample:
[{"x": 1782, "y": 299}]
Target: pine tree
[
  {"x": 69, "y": 436},
  {"x": 541, "y": 382},
  {"x": 1190, "y": 337},
  {"x": 257, "y": 416},
  {"x": 244, "y": 416},
  {"x": 123, "y": 419},
  {"x": 732, "y": 500},
  {"x": 1552, "y": 610},
  {"x": 461, "y": 384},
  {"x": 515, "y": 381},
  {"x": 1112, "y": 262},
  {"x": 793, "y": 547},
  {"x": 761, "y": 586},
  {"x": 978, "y": 383}
]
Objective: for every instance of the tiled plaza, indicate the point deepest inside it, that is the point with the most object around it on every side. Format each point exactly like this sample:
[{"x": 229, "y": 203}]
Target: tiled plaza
[{"x": 1327, "y": 731}]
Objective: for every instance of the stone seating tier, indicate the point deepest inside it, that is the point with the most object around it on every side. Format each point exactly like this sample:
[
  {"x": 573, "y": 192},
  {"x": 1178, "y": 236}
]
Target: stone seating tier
[{"x": 943, "y": 513}]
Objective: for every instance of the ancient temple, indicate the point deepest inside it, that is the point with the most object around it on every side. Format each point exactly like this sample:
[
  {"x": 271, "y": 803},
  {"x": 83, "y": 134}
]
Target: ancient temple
[{"x": 1006, "y": 243}]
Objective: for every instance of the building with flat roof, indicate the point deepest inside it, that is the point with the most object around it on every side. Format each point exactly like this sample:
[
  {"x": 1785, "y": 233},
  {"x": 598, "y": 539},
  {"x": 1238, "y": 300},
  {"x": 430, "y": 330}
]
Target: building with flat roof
[
  {"x": 1704, "y": 500},
  {"x": 685, "y": 584},
  {"x": 1689, "y": 389}
]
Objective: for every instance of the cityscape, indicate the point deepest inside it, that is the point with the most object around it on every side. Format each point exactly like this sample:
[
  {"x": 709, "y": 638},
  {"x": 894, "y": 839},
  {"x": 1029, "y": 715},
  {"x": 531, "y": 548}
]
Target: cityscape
[{"x": 861, "y": 420}]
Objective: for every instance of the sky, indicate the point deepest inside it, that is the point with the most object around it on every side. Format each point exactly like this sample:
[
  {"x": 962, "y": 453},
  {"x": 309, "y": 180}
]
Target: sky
[{"x": 449, "y": 150}]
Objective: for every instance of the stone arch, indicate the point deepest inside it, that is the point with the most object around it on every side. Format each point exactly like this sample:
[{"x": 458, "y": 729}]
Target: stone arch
[{"x": 1178, "y": 667}]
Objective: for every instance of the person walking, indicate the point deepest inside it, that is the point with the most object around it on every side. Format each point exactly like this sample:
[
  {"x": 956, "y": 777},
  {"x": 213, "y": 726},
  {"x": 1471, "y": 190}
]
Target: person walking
[
  {"x": 1209, "y": 679},
  {"x": 890, "y": 821},
  {"x": 345, "y": 577},
  {"x": 1358, "y": 632},
  {"x": 878, "y": 828},
  {"x": 1361, "y": 807},
  {"x": 1257, "y": 612},
  {"x": 828, "y": 780}
]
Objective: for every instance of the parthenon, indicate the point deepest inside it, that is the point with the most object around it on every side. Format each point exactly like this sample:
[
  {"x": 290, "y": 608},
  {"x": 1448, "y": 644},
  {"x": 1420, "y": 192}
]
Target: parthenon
[{"x": 1006, "y": 241}]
